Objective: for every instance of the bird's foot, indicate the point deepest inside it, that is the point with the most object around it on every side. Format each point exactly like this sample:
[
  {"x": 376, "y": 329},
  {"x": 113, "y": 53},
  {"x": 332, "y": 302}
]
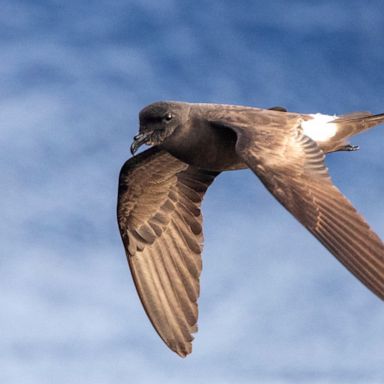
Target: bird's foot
[{"x": 350, "y": 148}]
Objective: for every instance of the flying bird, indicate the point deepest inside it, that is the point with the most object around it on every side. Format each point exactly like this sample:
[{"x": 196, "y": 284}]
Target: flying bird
[{"x": 161, "y": 190}]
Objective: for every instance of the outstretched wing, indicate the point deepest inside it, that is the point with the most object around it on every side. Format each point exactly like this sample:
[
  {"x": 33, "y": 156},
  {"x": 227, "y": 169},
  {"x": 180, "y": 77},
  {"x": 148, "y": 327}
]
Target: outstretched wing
[
  {"x": 291, "y": 166},
  {"x": 160, "y": 223}
]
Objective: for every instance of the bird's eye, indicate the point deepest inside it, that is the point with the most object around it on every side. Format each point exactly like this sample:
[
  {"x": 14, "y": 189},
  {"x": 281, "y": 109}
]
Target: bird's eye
[{"x": 168, "y": 117}]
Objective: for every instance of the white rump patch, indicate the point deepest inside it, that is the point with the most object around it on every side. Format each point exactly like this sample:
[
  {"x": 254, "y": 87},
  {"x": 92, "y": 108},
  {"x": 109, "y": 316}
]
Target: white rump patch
[{"x": 319, "y": 127}]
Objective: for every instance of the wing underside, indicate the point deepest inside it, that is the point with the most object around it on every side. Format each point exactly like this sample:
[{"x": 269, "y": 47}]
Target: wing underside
[{"x": 161, "y": 227}]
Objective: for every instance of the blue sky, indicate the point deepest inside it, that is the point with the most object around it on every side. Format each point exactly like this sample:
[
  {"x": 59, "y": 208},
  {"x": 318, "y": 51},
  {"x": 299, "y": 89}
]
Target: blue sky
[{"x": 275, "y": 306}]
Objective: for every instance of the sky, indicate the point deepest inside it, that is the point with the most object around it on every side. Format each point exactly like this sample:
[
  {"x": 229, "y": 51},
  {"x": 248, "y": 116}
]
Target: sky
[{"x": 275, "y": 306}]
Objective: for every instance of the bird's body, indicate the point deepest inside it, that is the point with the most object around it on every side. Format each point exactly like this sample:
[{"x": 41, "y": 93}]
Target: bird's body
[
  {"x": 199, "y": 130},
  {"x": 161, "y": 189},
  {"x": 197, "y": 133}
]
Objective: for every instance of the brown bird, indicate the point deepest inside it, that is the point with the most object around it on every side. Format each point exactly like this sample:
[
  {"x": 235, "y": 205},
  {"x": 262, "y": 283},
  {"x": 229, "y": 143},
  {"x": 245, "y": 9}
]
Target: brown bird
[{"x": 161, "y": 190}]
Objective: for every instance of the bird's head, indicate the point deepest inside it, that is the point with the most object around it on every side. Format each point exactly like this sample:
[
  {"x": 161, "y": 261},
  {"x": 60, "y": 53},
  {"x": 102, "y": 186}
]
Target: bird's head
[{"x": 157, "y": 122}]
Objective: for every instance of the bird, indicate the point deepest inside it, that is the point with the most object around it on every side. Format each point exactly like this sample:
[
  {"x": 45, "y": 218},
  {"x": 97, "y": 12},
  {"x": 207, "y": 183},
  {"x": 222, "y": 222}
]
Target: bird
[{"x": 161, "y": 189}]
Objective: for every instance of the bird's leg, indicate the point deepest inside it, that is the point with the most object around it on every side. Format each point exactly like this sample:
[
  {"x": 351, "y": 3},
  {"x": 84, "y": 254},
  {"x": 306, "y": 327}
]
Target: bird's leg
[{"x": 349, "y": 148}]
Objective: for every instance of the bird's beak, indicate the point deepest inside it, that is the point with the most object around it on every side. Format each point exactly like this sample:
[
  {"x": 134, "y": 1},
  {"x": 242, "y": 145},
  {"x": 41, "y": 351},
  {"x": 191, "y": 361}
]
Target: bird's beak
[{"x": 139, "y": 140}]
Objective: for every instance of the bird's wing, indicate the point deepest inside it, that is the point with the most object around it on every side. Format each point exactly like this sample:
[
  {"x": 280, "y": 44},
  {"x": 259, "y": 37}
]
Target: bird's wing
[
  {"x": 292, "y": 168},
  {"x": 160, "y": 223}
]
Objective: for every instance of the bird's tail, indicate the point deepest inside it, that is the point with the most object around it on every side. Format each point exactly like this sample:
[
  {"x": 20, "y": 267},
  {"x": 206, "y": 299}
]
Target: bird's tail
[
  {"x": 350, "y": 125},
  {"x": 354, "y": 123}
]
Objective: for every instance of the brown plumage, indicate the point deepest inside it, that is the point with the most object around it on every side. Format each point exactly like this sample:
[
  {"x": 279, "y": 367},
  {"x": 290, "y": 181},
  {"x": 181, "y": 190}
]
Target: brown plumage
[
  {"x": 161, "y": 189},
  {"x": 160, "y": 220}
]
